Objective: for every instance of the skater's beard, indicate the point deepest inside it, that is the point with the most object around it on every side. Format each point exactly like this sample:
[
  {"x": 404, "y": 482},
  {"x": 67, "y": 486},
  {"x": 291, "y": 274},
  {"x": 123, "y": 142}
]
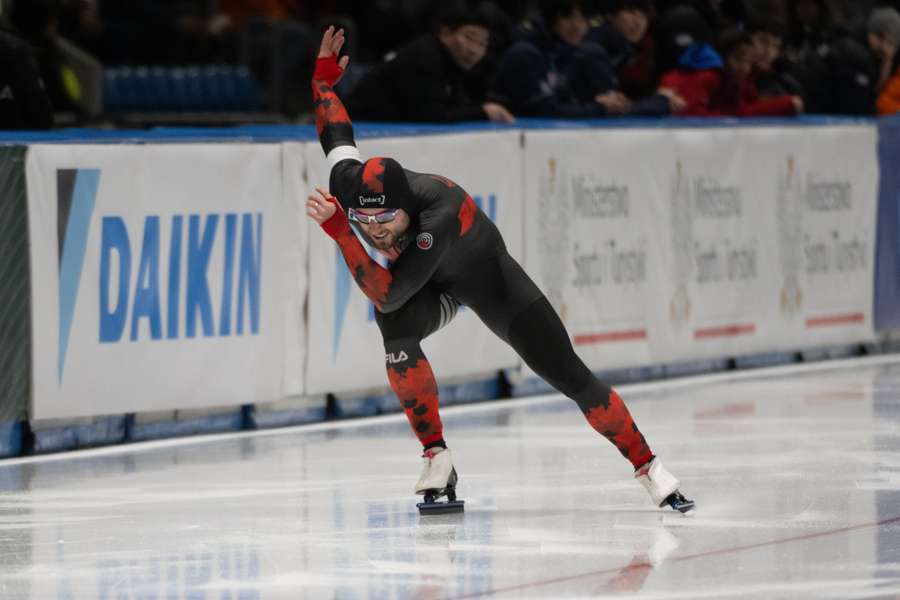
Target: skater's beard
[{"x": 384, "y": 236}]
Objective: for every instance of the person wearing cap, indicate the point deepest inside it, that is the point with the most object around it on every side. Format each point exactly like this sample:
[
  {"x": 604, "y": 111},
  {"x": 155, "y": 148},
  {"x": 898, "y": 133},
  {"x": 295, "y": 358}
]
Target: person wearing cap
[
  {"x": 445, "y": 252},
  {"x": 883, "y": 37},
  {"x": 427, "y": 79}
]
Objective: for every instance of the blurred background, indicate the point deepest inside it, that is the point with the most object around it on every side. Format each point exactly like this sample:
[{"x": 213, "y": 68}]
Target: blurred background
[{"x": 145, "y": 63}]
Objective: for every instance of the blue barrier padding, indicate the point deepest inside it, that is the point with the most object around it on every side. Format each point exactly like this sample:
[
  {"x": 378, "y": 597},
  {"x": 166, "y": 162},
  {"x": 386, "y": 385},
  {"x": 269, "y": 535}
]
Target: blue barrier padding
[
  {"x": 765, "y": 359},
  {"x": 217, "y": 423},
  {"x": 364, "y": 406},
  {"x": 887, "y": 254},
  {"x": 282, "y": 133},
  {"x": 102, "y": 432},
  {"x": 695, "y": 367},
  {"x": 831, "y": 353},
  {"x": 10, "y": 439},
  {"x": 285, "y": 418},
  {"x": 470, "y": 391}
]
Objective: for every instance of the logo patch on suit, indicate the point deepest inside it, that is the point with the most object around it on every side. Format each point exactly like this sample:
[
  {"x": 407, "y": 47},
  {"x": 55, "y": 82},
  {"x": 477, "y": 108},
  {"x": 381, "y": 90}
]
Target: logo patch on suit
[{"x": 424, "y": 241}]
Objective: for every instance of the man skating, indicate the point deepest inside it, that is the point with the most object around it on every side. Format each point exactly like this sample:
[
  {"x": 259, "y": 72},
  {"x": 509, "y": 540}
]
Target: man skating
[{"x": 446, "y": 252}]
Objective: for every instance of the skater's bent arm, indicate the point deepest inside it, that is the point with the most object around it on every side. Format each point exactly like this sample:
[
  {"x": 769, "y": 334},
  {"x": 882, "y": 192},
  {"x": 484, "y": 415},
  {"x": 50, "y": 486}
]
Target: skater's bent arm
[{"x": 388, "y": 289}]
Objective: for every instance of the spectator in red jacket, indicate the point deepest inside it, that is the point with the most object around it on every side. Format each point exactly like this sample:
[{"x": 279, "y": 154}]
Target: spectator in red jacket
[{"x": 712, "y": 85}]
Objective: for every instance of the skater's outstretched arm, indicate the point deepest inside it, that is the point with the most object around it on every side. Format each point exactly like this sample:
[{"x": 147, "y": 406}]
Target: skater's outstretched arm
[{"x": 332, "y": 122}]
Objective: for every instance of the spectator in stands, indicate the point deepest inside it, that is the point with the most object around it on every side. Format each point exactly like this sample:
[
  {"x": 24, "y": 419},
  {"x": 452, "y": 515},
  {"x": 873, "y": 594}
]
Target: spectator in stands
[
  {"x": 883, "y": 36},
  {"x": 721, "y": 84},
  {"x": 23, "y": 100},
  {"x": 36, "y": 21},
  {"x": 771, "y": 72},
  {"x": 889, "y": 99},
  {"x": 554, "y": 72},
  {"x": 719, "y": 15},
  {"x": 627, "y": 39},
  {"x": 810, "y": 23},
  {"x": 426, "y": 80},
  {"x": 238, "y": 12},
  {"x": 677, "y": 29}
]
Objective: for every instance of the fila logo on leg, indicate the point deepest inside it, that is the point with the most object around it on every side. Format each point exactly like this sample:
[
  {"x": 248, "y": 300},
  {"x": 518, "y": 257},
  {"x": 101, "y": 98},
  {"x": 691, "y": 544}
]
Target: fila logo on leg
[{"x": 392, "y": 358}]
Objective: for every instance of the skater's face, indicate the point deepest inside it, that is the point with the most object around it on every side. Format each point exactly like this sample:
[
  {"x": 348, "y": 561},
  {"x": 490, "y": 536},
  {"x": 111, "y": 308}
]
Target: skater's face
[
  {"x": 467, "y": 44},
  {"x": 384, "y": 235}
]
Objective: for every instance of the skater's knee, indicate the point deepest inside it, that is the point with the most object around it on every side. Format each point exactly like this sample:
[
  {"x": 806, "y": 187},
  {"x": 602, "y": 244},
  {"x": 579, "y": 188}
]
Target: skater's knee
[{"x": 540, "y": 338}]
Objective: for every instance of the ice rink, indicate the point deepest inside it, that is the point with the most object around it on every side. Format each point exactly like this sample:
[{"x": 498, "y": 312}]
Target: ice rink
[{"x": 796, "y": 474}]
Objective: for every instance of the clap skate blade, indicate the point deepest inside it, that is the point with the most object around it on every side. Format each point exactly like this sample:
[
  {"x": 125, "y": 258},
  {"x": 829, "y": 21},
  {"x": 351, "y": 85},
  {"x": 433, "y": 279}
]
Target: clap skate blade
[
  {"x": 431, "y": 506},
  {"x": 679, "y": 502}
]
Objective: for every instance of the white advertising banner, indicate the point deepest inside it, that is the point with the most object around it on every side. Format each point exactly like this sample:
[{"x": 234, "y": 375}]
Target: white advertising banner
[
  {"x": 592, "y": 237},
  {"x": 157, "y": 277},
  {"x": 345, "y": 346},
  {"x": 668, "y": 245},
  {"x": 821, "y": 190}
]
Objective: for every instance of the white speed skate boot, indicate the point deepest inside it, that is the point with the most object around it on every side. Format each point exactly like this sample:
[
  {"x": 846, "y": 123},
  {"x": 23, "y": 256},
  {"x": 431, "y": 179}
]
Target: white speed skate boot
[
  {"x": 438, "y": 479},
  {"x": 662, "y": 486}
]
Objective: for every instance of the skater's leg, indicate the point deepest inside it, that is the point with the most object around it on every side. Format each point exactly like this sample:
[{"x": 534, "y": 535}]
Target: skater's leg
[
  {"x": 509, "y": 302},
  {"x": 540, "y": 338},
  {"x": 408, "y": 370}
]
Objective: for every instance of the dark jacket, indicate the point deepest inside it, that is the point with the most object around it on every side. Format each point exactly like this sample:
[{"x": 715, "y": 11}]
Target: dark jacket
[
  {"x": 422, "y": 83},
  {"x": 542, "y": 76},
  {"x": 23, "y": 100},
  {"x": 635, "y": 64},
  {"x": 840, "y": 78}
]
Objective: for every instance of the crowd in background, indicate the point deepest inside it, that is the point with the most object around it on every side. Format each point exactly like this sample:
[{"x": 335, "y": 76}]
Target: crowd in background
[{"x": 417, "y": 60}]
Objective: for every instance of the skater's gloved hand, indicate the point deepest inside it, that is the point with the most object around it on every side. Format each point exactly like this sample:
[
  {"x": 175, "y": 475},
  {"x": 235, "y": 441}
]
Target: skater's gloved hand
[
  {"x": 328, "y": 68},
  {"x": 324, "y": 209}
]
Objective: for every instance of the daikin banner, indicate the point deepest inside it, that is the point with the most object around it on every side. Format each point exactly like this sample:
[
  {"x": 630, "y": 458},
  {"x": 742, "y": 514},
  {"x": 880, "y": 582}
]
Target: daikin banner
[{"x": 157, "y": 277}]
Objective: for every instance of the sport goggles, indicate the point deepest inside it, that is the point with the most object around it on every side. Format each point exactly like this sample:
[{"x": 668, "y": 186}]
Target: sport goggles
[{"x": 381, "y": 218}]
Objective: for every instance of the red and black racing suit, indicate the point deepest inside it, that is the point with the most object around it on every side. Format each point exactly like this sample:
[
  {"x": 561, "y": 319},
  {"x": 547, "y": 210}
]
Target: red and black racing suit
[{"x": 462, "y": 259}]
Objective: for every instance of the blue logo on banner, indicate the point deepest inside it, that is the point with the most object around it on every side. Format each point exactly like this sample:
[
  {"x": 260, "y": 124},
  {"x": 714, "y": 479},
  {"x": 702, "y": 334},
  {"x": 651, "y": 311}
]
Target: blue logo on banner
[
  {"x": 77, "y": 194},
  {"x": 243, "y": 253},
  {"x": 147, "y": 302},
  {"x": 342, "y": 277}
]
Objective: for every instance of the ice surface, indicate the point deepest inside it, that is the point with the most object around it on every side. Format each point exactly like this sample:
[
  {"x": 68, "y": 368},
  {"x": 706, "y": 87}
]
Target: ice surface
[{"x": 796, "y": 474}]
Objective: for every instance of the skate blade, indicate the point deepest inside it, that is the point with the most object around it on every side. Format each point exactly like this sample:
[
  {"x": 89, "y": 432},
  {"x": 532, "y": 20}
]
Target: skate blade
[
  {"x": 441, "y": 508},
  {"x": 684, "y": 505}
]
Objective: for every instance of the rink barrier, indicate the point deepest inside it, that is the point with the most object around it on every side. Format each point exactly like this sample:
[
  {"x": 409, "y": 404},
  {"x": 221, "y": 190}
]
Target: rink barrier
[
  {"x": 78, "y": 433},
  {"x": 15, "y": 325},
  {"x": 11, "y": 438},
  {"x": 887, "y": 266},
  {"x": 140, "y": 428}
]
